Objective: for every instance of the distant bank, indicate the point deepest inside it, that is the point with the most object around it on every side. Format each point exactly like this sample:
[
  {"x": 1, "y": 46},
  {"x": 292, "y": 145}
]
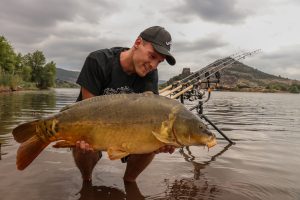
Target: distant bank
[
  {"x": 66, "y": 78},
  {"x": 240, "y": 77}
]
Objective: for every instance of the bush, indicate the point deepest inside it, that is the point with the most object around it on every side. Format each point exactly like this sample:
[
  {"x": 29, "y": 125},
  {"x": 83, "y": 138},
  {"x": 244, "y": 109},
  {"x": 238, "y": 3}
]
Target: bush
[
  {"x": 14, "y": 82},
  {"x": 11, "y": 81},
  {"x": 4, "y": 79},
  {"x": 294, "y": 89},
  {"x": 277, "y": 86}
]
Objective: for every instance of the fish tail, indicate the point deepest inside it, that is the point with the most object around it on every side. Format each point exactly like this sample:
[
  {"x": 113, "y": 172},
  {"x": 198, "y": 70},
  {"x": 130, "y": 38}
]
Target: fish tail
[
  {"x": 34, "y": 137},
  {"x": 29, "y": 150},
  {"x": 25, "y": 131}
]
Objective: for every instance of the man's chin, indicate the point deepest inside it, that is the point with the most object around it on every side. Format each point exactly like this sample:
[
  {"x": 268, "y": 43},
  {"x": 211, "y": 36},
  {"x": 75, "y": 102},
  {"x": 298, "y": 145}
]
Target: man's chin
[{"x": 142, "y": 73}]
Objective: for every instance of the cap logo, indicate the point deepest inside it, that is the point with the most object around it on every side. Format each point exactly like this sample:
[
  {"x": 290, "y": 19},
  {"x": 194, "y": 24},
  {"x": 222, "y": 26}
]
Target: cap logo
[{"x": 168, "y": 43}]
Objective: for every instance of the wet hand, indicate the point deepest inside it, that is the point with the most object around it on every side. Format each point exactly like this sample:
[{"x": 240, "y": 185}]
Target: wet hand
[
  {"x": 165, "y": 149},
  {"x": 85, "y": 158},
  {"x": 83, "y": 147}
]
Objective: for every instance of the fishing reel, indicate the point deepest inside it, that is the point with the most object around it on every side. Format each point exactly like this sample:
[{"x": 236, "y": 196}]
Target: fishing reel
[
  {"x": 215, "y": 81},
  {"x": 207, "y": 86},
  {"x": 194, "y": 93},
  {"x": 200, "y": 87}
]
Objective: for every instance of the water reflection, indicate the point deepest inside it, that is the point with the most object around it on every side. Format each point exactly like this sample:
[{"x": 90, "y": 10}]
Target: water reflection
[
  {"x": 21, "y": 107},
  {"x": 1, "y": 151},
  {"x": 90, "y": 192},
  {"x": 189, "y": 157},
  {"x": 178, "y": 189},
  {"x": 27, "y": 101},
  {"x": 194, "y": 188},
  {"x": 264, "y": 164},
  {"x": 187, "y": 189}
]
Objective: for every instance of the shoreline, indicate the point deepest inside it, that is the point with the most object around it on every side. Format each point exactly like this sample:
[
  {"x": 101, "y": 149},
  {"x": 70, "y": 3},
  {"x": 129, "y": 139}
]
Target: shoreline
[
  {"x": 7, "y": 90},
  {"x": 255, "y": 90}
]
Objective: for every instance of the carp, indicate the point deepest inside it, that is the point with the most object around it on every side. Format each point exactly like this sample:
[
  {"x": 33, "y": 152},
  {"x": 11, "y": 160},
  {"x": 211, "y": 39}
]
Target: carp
[{"x": 120, "y": 124}]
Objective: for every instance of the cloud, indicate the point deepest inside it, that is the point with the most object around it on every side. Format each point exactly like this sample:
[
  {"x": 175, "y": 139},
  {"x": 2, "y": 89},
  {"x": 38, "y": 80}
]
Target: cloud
[
  {"x": 204, "y": 44},
  {"x": 64, "y": 30},
  {"x": 67, "y": 31},
  {"x": 194, "y": 54},
  {"x": 32, "y": 21},
  {"x": 77, "y": 49},
  {"x": 284, "y": 61},
  {"x": 217, "y": 11},
  {"x": 44, "y": 13}
]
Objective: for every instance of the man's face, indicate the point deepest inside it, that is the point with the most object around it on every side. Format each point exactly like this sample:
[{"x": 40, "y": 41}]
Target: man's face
[{"x": 145, "y": 58}]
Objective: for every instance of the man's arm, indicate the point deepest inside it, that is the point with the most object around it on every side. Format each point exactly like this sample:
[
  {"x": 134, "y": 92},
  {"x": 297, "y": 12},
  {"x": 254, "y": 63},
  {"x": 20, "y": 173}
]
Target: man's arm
[
  {"x": 84, "y": 156},
  {"x": 86, "y": 94}
]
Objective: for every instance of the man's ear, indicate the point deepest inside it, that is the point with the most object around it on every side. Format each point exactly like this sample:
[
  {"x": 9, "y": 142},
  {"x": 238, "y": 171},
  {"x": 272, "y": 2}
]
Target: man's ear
[{"x": 138, "y": 42}]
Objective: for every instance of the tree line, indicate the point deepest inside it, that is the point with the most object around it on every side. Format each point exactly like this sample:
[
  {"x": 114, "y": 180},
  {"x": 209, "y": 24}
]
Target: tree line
[{"x": 25, "y": 71}]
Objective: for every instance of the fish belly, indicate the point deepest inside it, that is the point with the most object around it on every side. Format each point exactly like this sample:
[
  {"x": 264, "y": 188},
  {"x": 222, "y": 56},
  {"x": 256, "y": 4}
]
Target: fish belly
[{"x": 132, "y": 138}]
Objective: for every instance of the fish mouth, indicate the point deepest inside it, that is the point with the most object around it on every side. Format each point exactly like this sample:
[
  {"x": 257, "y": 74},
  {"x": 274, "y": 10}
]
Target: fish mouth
[
  {"x": 212, "y": 142},
  {"x": 211, "y": 139}
]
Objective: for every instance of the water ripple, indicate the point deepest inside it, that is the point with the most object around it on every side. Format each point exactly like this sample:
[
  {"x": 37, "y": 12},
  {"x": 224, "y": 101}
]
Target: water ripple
[{"x": 263, "y": 164}]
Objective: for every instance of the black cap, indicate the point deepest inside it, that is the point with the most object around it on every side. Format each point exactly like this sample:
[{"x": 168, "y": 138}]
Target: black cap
[{"x": 161, "y": 41}]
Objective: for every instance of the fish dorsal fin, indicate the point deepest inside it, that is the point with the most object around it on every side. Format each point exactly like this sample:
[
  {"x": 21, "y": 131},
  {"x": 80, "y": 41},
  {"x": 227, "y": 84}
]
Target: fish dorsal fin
[{"x": 166, "y": 134}]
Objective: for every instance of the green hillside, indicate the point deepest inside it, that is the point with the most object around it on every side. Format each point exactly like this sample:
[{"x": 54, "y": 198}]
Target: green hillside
[{"x": 66, "y": 78}]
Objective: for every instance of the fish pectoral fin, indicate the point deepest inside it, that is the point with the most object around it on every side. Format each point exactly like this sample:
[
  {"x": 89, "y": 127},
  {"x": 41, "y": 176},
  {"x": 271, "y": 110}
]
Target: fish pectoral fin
[
  {"x": 116, "y": 152},
  {"x": 166, "y": 134},
  {"x": 64, "y": 144},
  {"x": 163, "y": 139}
]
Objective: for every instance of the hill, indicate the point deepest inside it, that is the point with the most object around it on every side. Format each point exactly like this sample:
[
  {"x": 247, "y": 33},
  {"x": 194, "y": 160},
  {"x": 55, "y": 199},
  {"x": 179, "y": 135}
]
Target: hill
[
  {"x": 66, "y": 78},
  {"x": 240, "y": 77},
  {"x": 66, "y": 75}
]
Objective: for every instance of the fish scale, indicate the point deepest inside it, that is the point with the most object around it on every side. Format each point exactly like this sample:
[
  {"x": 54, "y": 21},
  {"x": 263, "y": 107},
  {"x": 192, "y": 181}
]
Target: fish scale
[{"x": 113, "y": 105}]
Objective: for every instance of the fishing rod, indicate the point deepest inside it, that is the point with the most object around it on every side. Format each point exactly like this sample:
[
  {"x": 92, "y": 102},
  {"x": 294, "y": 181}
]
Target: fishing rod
[
  {"x": 191, "y": 87},
  {"x": 220, "y": 62},
  {"x": 178, "y": 88}
]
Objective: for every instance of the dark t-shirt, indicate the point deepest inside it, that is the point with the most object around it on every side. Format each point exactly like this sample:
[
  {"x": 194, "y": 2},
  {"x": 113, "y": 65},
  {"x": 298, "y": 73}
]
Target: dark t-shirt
[{"x": 102, "y": 71}]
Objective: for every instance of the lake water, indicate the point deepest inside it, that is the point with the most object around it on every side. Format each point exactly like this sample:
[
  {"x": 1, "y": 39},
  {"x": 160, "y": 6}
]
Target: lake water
[{"x": 263, "y": 164}]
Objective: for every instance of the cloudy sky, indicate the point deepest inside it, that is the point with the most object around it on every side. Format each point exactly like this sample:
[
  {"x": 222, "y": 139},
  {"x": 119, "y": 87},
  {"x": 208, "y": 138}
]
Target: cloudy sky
[{"x": 202, "y": 30}]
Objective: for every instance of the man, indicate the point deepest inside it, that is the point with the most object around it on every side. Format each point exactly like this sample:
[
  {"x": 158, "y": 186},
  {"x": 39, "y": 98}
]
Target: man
[{"x": 122, "y": 69}]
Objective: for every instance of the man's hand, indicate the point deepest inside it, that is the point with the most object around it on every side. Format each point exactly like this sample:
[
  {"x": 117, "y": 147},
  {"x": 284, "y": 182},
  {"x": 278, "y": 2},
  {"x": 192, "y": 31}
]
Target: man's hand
[
  {"x": 85, "y": 158},
  {"x": 83, "y": 147},
  {"x": 165, "y": 149}
]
